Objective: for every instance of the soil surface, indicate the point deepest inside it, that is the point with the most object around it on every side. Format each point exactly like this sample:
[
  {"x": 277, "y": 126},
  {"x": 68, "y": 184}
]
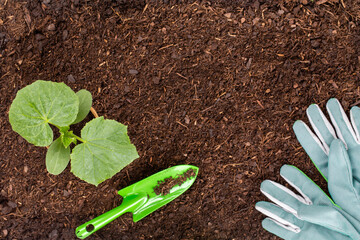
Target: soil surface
[{"x": 215, "y": 84}]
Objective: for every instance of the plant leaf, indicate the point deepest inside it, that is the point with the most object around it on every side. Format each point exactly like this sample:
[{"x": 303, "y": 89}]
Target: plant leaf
[
  {"x": 67, "y": 137},
  {"x": 106, "y": 150},
  {"x": 57, "y": 157},
  {"x": 41, "y": 103},
  {"x": 85, "y": 102}
]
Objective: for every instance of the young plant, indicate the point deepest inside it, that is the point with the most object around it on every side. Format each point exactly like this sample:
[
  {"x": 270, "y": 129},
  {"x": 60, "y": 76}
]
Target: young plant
[{"x": 103, "y": 148}]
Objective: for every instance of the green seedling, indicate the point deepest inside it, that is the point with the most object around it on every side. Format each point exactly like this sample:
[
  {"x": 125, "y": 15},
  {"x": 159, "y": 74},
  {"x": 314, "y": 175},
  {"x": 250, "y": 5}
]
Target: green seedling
[{"x": 103, "y": 148}]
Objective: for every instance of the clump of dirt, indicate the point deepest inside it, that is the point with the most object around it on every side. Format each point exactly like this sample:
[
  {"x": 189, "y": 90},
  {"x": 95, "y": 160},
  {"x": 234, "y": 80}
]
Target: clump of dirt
[{"x": 164, "y": 187}]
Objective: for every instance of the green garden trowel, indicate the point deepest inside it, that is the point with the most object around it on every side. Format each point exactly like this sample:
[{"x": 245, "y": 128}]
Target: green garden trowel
[{"x": 145, "y": 196}]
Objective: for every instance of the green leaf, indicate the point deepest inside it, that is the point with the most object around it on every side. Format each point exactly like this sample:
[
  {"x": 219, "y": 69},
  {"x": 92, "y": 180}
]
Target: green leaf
[
  {"x": 67, "y": 137},
  {"x": 41, "y": 103},
  {"x": 85, "y": 102},
  {"x": 57, "y": 157},
  {"x": 106, "y": 150}
]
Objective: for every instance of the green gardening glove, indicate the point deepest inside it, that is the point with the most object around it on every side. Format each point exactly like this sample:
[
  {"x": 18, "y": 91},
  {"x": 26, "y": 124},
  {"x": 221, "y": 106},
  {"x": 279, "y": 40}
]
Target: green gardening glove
[
  {"x": 344, "y": 155},
  {"x": 311, "y": 214}
]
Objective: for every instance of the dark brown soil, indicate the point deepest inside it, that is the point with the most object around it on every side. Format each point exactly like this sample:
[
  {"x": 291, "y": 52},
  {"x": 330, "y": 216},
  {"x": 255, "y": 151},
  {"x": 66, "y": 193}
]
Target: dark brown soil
[
  {"x": 215, "y": 84},
  {"x": 164, "y": 186}
]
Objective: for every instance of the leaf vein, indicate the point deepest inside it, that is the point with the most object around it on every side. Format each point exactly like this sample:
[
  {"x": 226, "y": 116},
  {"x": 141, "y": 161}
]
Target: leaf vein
[{"x": 52, "y": 103}]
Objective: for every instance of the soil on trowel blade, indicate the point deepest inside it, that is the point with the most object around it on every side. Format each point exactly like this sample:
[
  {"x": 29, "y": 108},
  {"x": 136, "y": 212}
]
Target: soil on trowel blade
[{"x": 164, "y": 187}]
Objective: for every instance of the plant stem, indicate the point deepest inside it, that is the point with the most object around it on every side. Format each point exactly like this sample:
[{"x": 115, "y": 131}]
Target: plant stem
[
  {"x": 55, "y": 125},
  {"x": 94, "y": 112},
  {"x": 79, "y": 138}
]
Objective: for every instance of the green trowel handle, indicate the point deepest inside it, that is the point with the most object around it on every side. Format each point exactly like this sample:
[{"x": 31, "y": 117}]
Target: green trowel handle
[{"x": 129, "y": 204}]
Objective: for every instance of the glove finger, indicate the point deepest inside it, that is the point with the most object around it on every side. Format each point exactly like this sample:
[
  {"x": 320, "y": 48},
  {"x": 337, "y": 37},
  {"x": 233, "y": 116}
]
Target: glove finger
[
  {"x": 340, "y": 183},
  {"x": 309, "y": 190},
  {"x": 285, "y": 219},
  {"x": 313, "y": 147},
  {"x": 321, "y": 125},
  {"x": 355, "y": 120},
  {"x": 330, "y": 218},
  {"x": 341, "y": 123},
  {"x": 321, "y": 225},
  {"x": 278, "y": 229},
  {"x": 282, "y": 196},
  {"x": 354, "y": 156}
]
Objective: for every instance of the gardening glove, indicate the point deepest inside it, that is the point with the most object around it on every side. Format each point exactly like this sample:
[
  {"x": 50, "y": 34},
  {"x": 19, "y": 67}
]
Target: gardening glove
[
  {"x": 344, "y": 153},
  {"x": 310, "y": 215}
]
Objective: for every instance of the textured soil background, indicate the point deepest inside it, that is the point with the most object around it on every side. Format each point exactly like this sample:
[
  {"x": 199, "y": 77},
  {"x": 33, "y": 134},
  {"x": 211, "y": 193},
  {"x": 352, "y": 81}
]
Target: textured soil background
[{"x": 216, "y": 84}]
